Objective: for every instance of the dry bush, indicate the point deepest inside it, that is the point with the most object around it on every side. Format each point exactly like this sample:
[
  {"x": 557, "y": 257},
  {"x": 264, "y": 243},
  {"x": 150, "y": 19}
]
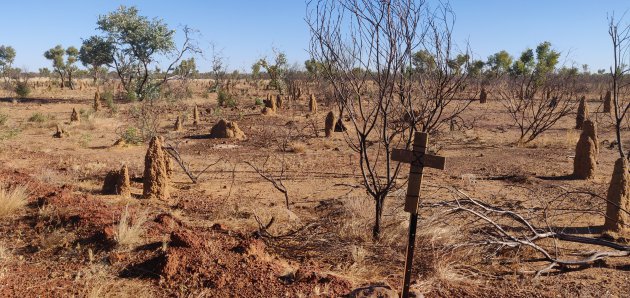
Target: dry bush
[
  {"x": 129, "y": 231},
  {"x": 101, "y": 284},
  {"x": 12, "y": 200}
]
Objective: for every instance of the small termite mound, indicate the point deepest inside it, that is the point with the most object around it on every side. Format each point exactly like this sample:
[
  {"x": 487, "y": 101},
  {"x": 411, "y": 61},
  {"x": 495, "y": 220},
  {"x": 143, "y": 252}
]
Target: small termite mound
[
  {"x": 178, "y": 124},
  {"x": 61, "y": 132},
  {"x": 196, "y": 116},
  {"x": 483, "y": 96},
  {"x": 74, "y": 117},
  {"x": 339, "y": 126},
  {"x": 329, "y": 124},
  {"x": 267, "y": 111},
  {"x": 157, "y": 170},
  {"x": 117, "y": 183},
  {"x": 617, "y": 221},
  {"x": 226, "y": 129},
  {"x": 607, "y": 101},
  {"x": 97, "y": 101},
  {"x": 582, "y": 113},
  {"x": 312, "y": 104},
  {"x": 585, "y": 161}
]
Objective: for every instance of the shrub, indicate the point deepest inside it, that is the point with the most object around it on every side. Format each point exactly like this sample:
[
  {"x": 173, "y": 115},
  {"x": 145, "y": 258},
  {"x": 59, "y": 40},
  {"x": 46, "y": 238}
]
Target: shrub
[
  {"x": 129, "y": 230},
  {"x": 38, "y": 117},
  {"x": 131, "y": 135},
  {"x": 132, "y": 96},
  {"x": 259, "y": 102},
  {"x": 22, "y": 89},
  {"x": 226, "y": 100},
  {"x": 12, "y": 200}
]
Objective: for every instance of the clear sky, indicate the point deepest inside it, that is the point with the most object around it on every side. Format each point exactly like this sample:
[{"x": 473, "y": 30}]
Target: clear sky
[{"x": 248, "y": 29}]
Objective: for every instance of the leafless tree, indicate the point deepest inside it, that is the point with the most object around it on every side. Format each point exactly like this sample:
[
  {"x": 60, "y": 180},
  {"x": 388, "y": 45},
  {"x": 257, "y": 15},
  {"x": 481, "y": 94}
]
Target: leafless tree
[
  {"x": 365, "y": 48},
  {"x": 620, "y": 38},
  {"x": 276, "y": 181},
  {"x": 535, "y": 94},
  {"x": 500, "y": 229},
  {"x": 174, "y": 152}
]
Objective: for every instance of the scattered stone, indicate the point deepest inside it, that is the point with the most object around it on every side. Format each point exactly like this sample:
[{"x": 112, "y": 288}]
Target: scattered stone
[
  {"x": 618, "y": 201},
  {"x": 156, "y": 177},
  {"x": 373, "y": 291},
  {"x": 483, "y": 96},
  {"x": 585, "y": 161},
  {"x": 607, "y": 101},
  {"x": 117, "y": 183},
  {"x": 582, "y": 113},
  {"x": 329, "y": 124},
  {"x": 74, "y": 117},
  {"x": 312, "y": 104},
  {"x": 226, "y": 129},
  {"x": 61, "y": 133}
]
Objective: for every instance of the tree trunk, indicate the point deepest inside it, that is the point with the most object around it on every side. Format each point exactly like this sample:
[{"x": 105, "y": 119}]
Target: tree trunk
[{"x": 376, "y": 230}]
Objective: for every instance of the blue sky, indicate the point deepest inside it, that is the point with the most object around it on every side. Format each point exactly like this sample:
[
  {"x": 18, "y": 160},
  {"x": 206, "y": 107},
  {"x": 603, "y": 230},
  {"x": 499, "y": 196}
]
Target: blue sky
[{"x": 248, "y": 29}]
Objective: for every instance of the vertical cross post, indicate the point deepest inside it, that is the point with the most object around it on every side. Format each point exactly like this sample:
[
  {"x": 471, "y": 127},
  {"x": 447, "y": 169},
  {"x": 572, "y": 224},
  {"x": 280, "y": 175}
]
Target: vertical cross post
[{"x": 418, "y": 160}]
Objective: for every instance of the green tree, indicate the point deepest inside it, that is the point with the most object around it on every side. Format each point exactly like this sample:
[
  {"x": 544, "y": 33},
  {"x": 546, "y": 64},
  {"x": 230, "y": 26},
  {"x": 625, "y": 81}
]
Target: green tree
[
  {"x": 313, "y": 67},
  {"x": 423, "y": 62},
  {"x": 276, "y": 71},
  {"x": 499, "y": 63},
  {"x": 95, "y": 53},
  {"x": 7, "y": 55},
  {"x": 63, "y": 61},
  {"x": 187, "y": 68},
  {"x": 255, "y": 70},
  {"x": 138, "y": 43}
]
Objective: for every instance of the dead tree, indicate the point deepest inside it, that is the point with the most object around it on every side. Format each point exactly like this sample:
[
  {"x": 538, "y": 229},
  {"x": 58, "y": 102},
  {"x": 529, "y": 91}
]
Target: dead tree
[
  {"x": 535, "y": 94},
  {"x": 500, "y": 229},
  {"x": 277, "y": 181},
  {"x": 620, "y": 38},
  {"x": 366, "y": 51},
  {"x": 174, "y": 152}
]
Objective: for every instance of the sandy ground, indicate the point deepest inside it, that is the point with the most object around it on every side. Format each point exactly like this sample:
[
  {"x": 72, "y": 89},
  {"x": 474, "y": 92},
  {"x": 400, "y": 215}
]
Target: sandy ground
[{"x": 57, "y": 245}]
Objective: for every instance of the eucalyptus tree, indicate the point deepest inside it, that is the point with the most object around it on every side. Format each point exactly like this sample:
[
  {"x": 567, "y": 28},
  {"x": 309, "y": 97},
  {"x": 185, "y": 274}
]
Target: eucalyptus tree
[{"x": 63, "y": 63}]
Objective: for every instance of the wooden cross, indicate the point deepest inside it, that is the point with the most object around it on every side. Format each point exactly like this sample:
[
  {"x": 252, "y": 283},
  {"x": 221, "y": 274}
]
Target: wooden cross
[{"x": 418, "y": 160}]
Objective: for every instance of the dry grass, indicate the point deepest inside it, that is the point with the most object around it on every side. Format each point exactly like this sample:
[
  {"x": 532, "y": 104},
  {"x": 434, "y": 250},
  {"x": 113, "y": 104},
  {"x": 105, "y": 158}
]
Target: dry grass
[
  {"x": 13, "y": 200},
  {"x": 297, "y": 147},
  {"x": 100, "y": 283},
  {"x": 130, "y": 231}
]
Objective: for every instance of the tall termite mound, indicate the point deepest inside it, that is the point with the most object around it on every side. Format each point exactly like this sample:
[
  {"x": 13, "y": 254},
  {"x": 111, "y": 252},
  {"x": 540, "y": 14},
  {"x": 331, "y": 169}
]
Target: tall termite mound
[
  {"x": 97, "y": 101},
  {"x": 74, "y": 117},
  {"x": 329, "y": 124},
  {"x": 117, "y": 183},
  {"x": 157, "y": 168},
  {"x": 312, "y": 104},
  {"x": 483, "y": 96},
  {"x": 196, "y": 116},
  {"x": 585, "y": 162},
  {"x": 279, "y": 101},
  {"x": 582, "y": 113},
  {"x": 607, "y": 101},
  {"x": 270, "y": 105},
  {"x": 226, "y": 129},
  {"x": 618, "y": 201}
]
